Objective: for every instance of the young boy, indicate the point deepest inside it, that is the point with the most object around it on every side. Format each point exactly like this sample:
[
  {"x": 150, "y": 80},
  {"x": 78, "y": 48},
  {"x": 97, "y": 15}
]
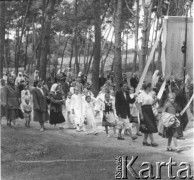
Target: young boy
[{"x": 171, "y": 132}]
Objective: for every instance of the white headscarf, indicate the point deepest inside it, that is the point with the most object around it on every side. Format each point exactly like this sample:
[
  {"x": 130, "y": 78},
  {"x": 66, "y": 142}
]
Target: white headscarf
[
  {"x": 13, "y": 73},
  {"x": 59, "y": 71},
  {"x": 54, "y": 87},
  {"x": 80, "y": 73},
  {"x": 36, "y": 75},
  {"x": 155, "y": 78},
  {"x": 19, "y": 78}
]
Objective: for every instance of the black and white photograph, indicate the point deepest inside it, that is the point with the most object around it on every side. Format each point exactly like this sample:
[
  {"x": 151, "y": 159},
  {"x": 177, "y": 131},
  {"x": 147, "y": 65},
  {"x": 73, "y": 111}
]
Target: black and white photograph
[{"x": 96, "y": 89}]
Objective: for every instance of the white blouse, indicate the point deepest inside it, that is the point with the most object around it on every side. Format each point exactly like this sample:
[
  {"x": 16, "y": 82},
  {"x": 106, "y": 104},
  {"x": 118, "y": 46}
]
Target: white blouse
[{"x": 145, "y": 99}]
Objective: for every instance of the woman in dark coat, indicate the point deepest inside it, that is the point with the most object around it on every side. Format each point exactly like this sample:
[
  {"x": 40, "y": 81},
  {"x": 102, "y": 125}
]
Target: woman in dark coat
[
  {"x": 147, "y": 117},
  {"x": 56, "y": 116},
  {"x": 12, "y": 103},
  {"x": 40, "y": 107}
]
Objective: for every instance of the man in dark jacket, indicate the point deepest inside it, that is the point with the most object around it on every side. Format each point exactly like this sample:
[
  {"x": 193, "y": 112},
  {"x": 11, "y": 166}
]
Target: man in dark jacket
[{"x": 123, "y": 110}]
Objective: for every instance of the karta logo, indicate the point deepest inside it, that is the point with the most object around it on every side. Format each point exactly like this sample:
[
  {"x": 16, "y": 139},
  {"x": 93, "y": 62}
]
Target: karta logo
[{"x": 124, "y": 167}]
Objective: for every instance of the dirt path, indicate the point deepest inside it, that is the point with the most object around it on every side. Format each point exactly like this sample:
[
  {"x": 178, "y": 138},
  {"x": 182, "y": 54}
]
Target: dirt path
[{"x": 28, "y": 154}]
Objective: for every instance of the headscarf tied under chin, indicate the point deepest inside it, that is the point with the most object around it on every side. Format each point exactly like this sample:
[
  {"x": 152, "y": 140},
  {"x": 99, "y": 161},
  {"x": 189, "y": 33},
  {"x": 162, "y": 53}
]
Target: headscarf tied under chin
[
  {"x": 54, "y": 88},
  {"x": 155, "y": 78}
]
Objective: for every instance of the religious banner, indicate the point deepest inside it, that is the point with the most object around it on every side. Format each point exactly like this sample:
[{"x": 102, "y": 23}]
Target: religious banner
[{"x": 172, "y": 40}]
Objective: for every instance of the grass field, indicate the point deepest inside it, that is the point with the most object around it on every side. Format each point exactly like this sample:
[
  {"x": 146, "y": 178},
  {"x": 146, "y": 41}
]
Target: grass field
[{"x": 28, "y": 154}]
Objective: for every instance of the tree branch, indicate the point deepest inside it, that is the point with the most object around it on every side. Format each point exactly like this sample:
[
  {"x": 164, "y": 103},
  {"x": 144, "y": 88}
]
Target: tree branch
[{"x": 129, "y": 9}]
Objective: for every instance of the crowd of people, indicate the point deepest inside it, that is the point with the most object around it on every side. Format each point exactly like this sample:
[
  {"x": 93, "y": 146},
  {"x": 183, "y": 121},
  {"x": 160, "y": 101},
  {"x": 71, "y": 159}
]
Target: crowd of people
[{"x": 63, "y": 99}]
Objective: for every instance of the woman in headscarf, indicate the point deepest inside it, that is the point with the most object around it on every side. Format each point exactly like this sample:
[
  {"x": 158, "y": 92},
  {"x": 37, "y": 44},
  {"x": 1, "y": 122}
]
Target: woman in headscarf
[
  {"x": 12, "y": 104},
  {"x": 56, "y": 116},
  {"x": 155, "y": 78},
  {"x": 19, "y": 79},
  {"x": 13, "y": 74}
]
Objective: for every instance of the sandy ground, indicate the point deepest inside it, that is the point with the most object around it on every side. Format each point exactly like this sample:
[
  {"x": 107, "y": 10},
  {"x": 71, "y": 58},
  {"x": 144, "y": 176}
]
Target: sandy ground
[{"x": 28, "y": 154}]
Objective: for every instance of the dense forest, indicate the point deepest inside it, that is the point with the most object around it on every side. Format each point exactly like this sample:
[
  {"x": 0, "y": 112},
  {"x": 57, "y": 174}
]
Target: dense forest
[{"x": 83, "y": 34}]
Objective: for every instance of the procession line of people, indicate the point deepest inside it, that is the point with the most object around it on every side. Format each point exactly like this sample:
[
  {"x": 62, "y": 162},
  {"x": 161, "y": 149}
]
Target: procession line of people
[{"x": 64, "y": 99}]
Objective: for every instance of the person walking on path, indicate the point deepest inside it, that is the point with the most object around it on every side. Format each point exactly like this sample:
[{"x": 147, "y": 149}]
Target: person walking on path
[
  {"x": 12, "y": 102},
  {"x": 40, "y": 107},
  {"x": 147, "y": 118},
  {"x": 122, "y": 101},
  {"x": 56, "y": 115}
]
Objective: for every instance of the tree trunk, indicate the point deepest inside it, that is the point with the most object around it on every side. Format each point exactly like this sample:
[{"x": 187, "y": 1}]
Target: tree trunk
[
  {"x": 145, "y": 35},
  {"x": 76, "y": 47},
  {"x": 85, "y": 47},
  {"x": 46, "y": 38},
  {"x": 136, "y": 36},
  {"x": 33, "y": 45},
  {"x": 104, "y": 61},
  {"x": 89, "y": 63},
  {"x": 2, "y": 35},
  {"x": 126, "y": 52},
  {"x": 16, "y": 46},
  {"x": 64, "y": 51},
  {"x": 148, "y": 26},
  {"x": 104, "y": 44},
  {"x": 97, "y": 48},
  {"x": 26, "y": 51},
  {"x": 41, "y": 34},
  {"x": 117, "y": 53},
  {"x": 20, "y": 39},
  {"x": 71, "y": 56},
  {"x": 88, "y": 49},
  {"x": 58, "y": 46}
]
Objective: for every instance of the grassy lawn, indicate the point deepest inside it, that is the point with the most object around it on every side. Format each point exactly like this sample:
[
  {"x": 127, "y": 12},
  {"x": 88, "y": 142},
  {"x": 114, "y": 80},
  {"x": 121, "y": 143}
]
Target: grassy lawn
[{"x": 28, "y": 154}]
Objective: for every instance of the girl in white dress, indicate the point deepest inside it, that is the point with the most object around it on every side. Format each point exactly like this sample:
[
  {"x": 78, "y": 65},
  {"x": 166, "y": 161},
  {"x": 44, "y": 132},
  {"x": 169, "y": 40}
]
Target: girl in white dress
[
  {"x": 134, "y": 112},
  {"x": 90, "y": 121},
  {"x": 72, "y": 88},
  {"x": 77, "y": 109},
  {"x": 100, "y": 103},
  {"x": 70, "y": 120},
  {"x": 25, "y": 93}
]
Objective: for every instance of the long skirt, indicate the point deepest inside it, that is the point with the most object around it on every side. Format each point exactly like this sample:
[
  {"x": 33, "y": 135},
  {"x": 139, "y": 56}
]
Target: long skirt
[
  {"x": 56, "y": 117},
  {"x": 149, "y": 119},
  {"x": 12, "y": 114},
  {"x": 3, "y": 111},
  {"x": 41, "y": 117}
]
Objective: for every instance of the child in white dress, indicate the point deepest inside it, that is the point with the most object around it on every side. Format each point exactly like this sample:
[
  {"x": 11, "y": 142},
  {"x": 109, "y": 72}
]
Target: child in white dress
[
  {"x": 134, "y": 112},
  {"x": 77, "y": 109},
  {"x": 90, "y": 121},
  {"x": 69, "y": 118},
  {"x": 100, "y": 103},
  {"x": 26, "y": 108}
]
